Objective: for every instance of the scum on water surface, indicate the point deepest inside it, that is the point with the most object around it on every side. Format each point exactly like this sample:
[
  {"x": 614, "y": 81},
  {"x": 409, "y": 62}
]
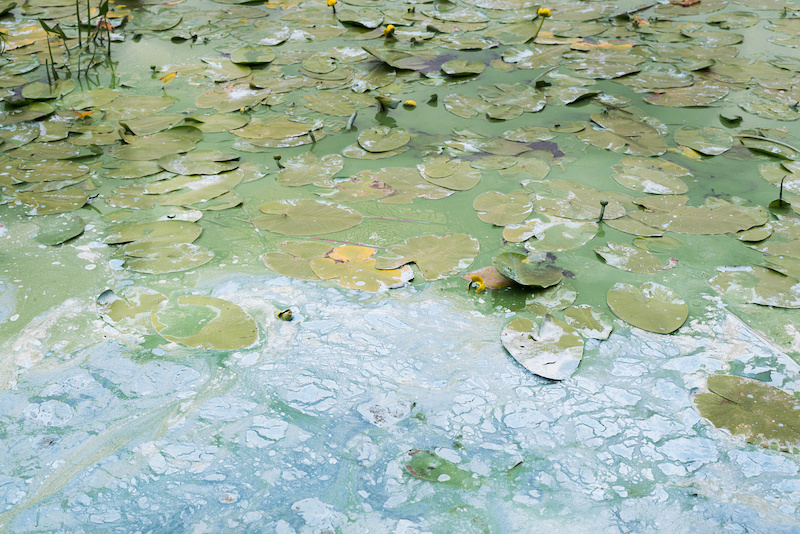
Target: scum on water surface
[{"x": 599, "y": 165}]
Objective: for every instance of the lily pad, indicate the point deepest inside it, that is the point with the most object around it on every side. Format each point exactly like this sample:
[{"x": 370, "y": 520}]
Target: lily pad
[
  {"x": 50, "y": 202},
  {"x": 761, "y": 414},
  {"x": 650, "y": 175},
  {"x": 669, "y": 212},
  {"x": 353, "y": 267},
  {"x": 59, "y": 230},
  {"x": 436, "y": 256},
  {"x": 163, "y": 232},
  {"x": 463, "y": 67},
  {"x": 383, "y": 138},
  {"x": 590, "y": 322},
  {"x": 307, "y": 169},
  {"x": 553, "y": 350},
  {"x": 629, "y": 258},
  {"x": 205, "y": 323},
  {"x": 552, "y": 299},
  {"x": 199, "y": 162},
  {"x": 708, "y": 141},
  {"x": 502, "y": 209},
  {"x": 651, "y": 307},
  {"x": 160, "y": 258},
  {"x": 528, "y": 271},
  {"x": 306, "y": 217}
]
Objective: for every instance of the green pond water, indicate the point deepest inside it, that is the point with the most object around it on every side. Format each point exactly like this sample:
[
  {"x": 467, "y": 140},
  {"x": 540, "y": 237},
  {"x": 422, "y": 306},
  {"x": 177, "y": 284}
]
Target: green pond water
[{"x": 149, "y": 238}]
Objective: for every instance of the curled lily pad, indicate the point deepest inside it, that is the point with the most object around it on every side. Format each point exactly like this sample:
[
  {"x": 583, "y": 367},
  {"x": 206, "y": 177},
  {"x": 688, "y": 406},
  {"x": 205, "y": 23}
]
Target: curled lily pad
[
  {"x": 502, "y": 209},
  {"x": 629, "y": 258},
  {"x": 761, "y": 414},
  {"x": 490, "y": 277},
  {"x": 553, "y": 350},
  {"x": 436, "y": 256},
  {"x": 651, "y": 307},
  {"x": 355, "y": 269},
  {"x": 590, "y": 322},
  {"x": 528, "y": 271},
  {"x": 383, "y": 138},
  {"x": 708, "y": 141},
  {"x": 306, "y": 217},
  {"x": 429, "y": 466},
  {"x": 205, "y": 323}
]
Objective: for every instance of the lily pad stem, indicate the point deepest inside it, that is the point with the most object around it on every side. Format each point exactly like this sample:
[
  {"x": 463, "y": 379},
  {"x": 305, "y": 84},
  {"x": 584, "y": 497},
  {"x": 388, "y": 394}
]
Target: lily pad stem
[{"x": 603, "y": 204}]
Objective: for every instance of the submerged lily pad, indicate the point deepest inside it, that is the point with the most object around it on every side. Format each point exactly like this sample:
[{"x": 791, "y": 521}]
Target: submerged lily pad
[
  {"x": 761, "y": 414},
  {"x": 553, "y": 350},
  {"x": 590, "y": 322},
  {"x": 59, "y": 230},
  {"x": 205, "y": 323},
  {"x": 651, "y": 307},
  {"x": 429, "y": 466}
]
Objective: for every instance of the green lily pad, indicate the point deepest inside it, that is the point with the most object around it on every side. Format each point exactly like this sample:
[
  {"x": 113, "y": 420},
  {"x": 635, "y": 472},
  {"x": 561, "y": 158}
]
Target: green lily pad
[
  {"x": 132, "y": 310},
  {"x": 502, "y": 94},
  {"x": 623, "y": 135},
  {"x": 571, "y": 200},
  {"x": 44, "y": 91},
  {"x": 651, "y": 307},
  {"x": 463, "y": 67},
  {"x": 708, "y": 141},
  {"x": 590, "y": 322},
  {"x": 702, "y": 93},
  {"x": 669, "y": 212},
  {"x": 552, "y": 299},
  {"x": 356, "y": 189},
  {"x": 306, "y": 217},
  {"x": 134, "y": 106},
  {"x": 553, "y": 350},
  {"x": 502, "y": 209},
  {"x": 50, "y": 202},
  {"x": 232, "y": 98},
  {"x": 650, "y": 175},
  {"x": 253, "y": 55},
  {"x": 436, "y": 256},
  {"x": 199, "y": 162},
  {"x": 307, "y": 169},
  {"x": 429, "y": 466},
  {"x": 355, "y": 269},
  {"x": 551, "y": 234},
  {"x": 629, "y": 258},
  {"x": 383, "y": 138},
  {"x": 162, "y": 232},
  {"x": 289, "y": 265},
  {"x": 761, "y": 414},
  {"x": 527, "y": 271},
  {"x": 59, "y": 230},
  {"x": 758, "y": 285},
  {"x": 205, "y": 323},
  {"x": 160, "y": 258}
]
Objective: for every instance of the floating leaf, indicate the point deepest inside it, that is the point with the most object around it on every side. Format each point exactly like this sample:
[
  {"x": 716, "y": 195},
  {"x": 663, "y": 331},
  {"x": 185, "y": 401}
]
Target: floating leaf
[
  {"x": 758, "y": 285},
  {"x": 552, "y": 299},
  {"x": 307, "y": 168},
  {"x": 436, "y": 256},
  {"x": 383, "y": 138},
  {"x": 648, "y": 175},
  {"x": 50, "y": 202},
  {"x": 163, "y": 232},
  {"x": 590, "y": 322},
  {"x": 59, "y": 230},
  {"x": 463, "y": 67},
  {"x": 490, "y": 277},
  {"x": 528, "y": 271},
  {"x": 553, "y": 350},
  {"x": 306, "y": 217},
  {"x": 669, "y": 212},
  {"x": 205, "y": 323},
  {"x": 502, "y": 209},
  {"x": 708, "y": 141},
  {"x": 199, "y": 162},
  {"x": 762, "y": 414},
  {"x": 629, "y": 258},
  {"x": 623, "y": 135},
  {"x": 130, "y": 311},
  {"x": 550, "y": 234},
  {"x": 160, "y": 258},
  {"x": 253, "y": 55},
  {"x": 651, "y": 307},
  {"x": 354, "y": 269}
]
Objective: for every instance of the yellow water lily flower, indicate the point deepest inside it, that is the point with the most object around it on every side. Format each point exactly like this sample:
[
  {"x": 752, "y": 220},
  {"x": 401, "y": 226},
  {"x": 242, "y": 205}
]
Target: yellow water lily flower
[
  {"x": 543, "y": 12},
  {"x": 331, "y": 3},
  {"x": 477, "y": 284},
  {"x": 388, "y": 31},
  {"x": 409, "y": 104}
]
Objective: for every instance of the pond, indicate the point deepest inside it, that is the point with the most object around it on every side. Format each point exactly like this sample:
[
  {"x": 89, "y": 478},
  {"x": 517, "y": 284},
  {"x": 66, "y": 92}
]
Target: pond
[{"x": 355, "y": 266}]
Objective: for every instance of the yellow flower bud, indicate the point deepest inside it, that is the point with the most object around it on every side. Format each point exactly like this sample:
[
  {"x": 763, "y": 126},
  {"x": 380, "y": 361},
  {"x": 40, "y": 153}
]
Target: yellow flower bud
[
  {"x": 543, "y": 12},
  {"x": 389, "y": 31},
  {"x": 331, "y": 3},
  {"x": 409, "y": 104}
]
